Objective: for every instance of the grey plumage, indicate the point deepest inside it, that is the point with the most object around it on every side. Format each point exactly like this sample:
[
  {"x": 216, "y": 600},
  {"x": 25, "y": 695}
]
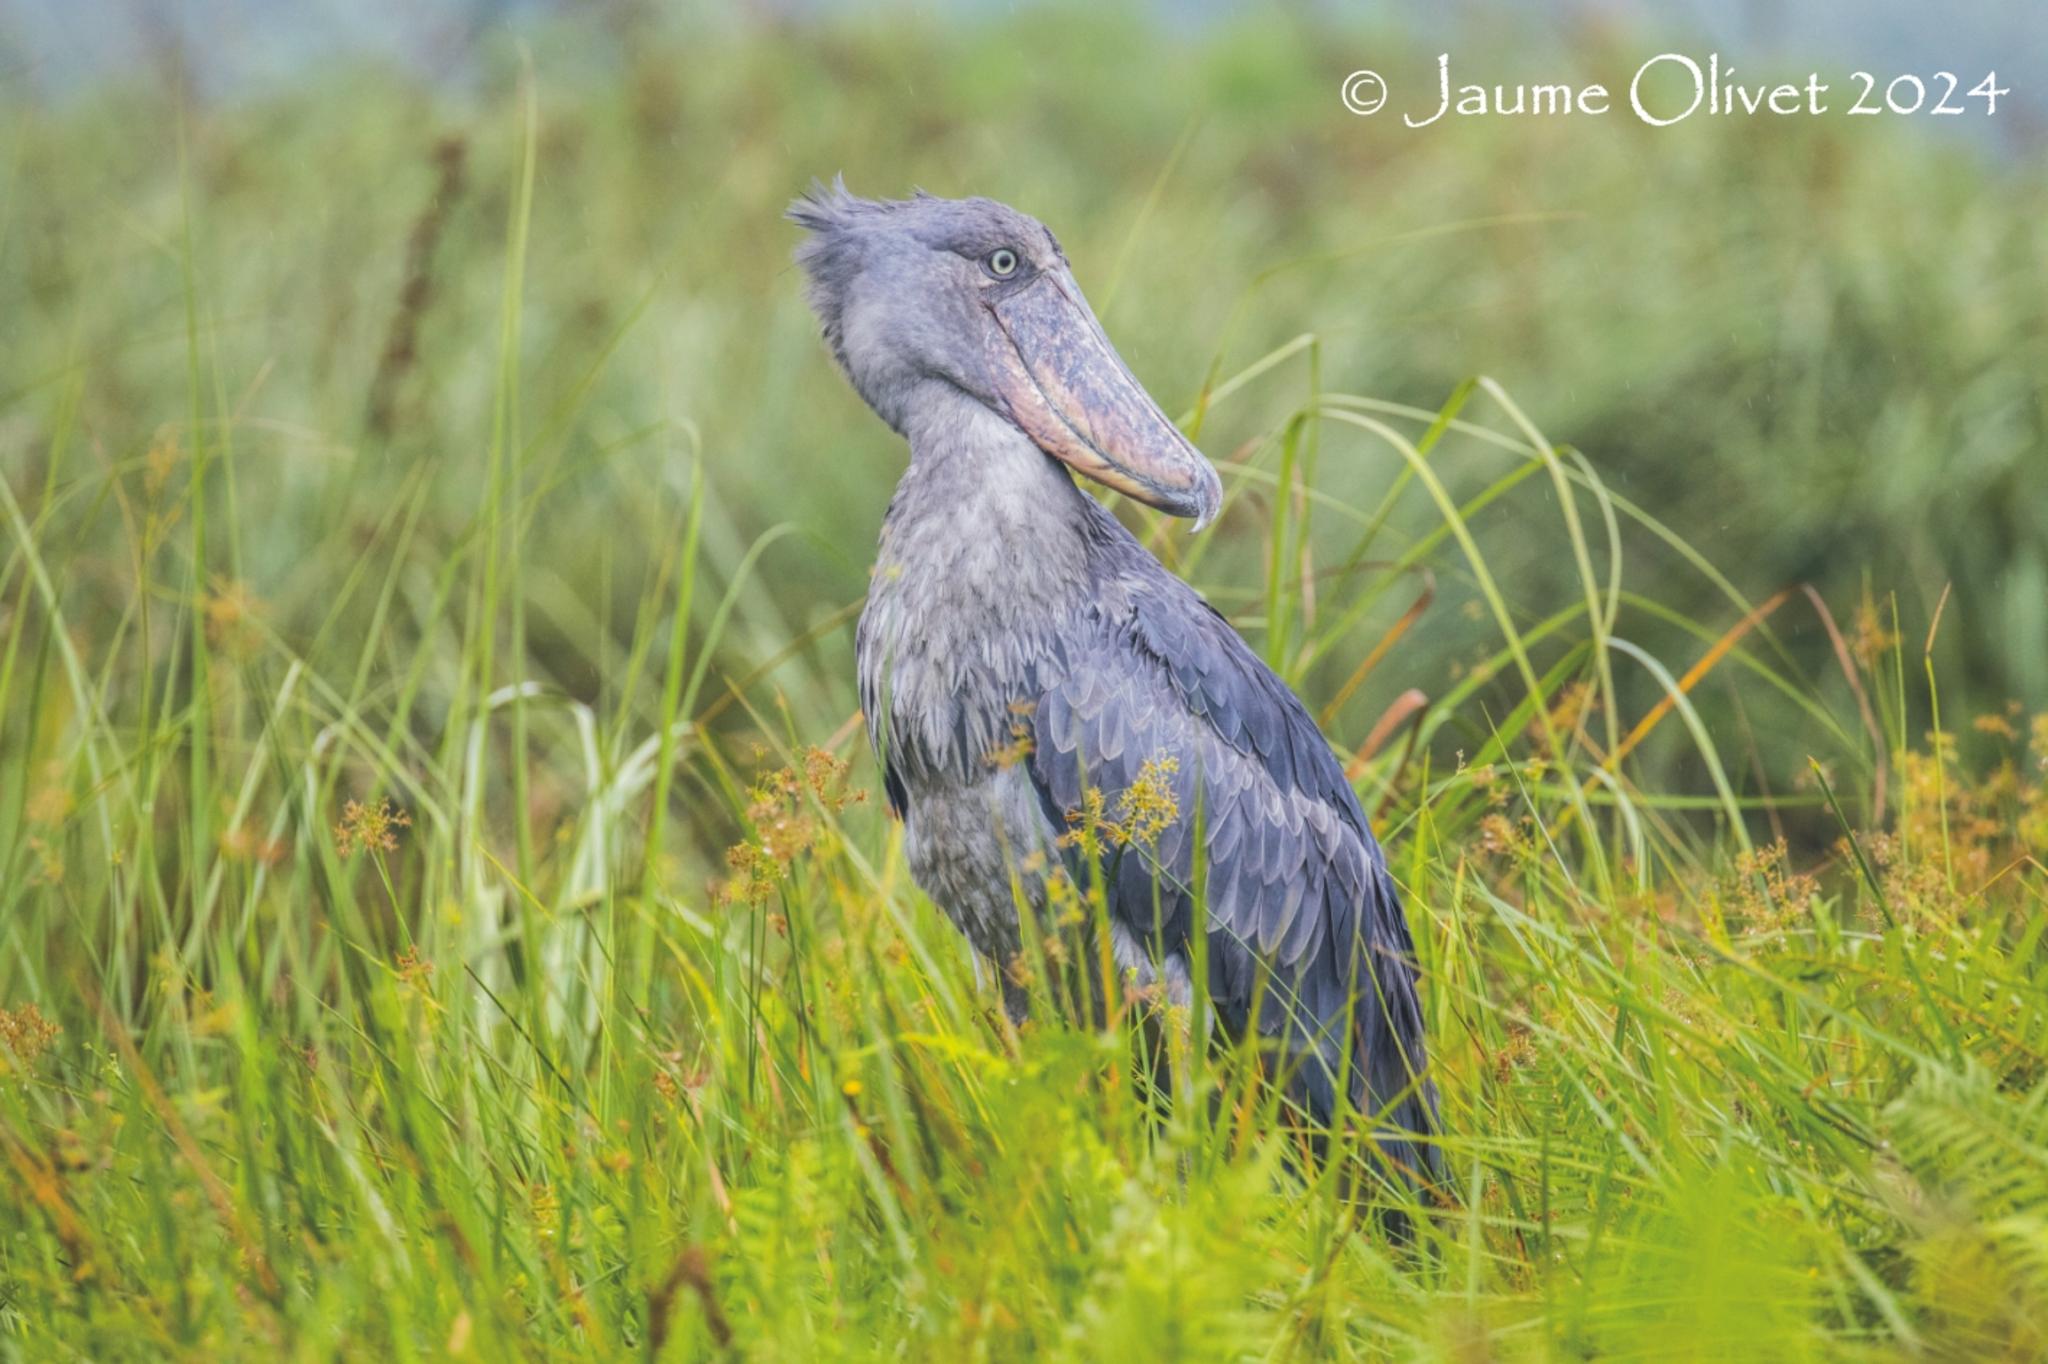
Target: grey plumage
[{"x": 1006, "y": 602}]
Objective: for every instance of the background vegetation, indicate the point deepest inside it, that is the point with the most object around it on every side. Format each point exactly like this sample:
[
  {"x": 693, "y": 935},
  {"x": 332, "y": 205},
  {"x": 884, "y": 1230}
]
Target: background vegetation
[{"x": 440, "y": 910}]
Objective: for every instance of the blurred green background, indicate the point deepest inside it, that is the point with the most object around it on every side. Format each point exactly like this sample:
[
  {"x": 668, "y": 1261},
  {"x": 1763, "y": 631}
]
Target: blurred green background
[
  {"x": 416, "y": 403},
  {"x": 1813, "y": 347}
]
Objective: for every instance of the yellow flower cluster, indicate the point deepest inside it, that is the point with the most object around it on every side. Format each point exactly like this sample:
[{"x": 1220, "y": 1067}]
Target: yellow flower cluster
[
  {"x": 1143, "y": 811},
  {"x": 24, "y": 1035},
  {"x": 369, "y": 828},
  {"x": 783, "y": 811}
]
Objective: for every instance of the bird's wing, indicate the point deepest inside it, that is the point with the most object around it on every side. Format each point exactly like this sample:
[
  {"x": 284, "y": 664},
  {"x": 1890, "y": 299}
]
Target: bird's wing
[
  {"x": 1297, "y": 890},
  {"x": 873, "y": 707}
]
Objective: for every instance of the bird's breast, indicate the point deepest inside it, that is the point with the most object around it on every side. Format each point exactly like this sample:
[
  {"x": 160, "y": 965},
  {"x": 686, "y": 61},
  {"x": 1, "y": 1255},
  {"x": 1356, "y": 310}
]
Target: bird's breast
[
  {"x": 983, "y": 565},
  {"x": 948, "y": 673}
]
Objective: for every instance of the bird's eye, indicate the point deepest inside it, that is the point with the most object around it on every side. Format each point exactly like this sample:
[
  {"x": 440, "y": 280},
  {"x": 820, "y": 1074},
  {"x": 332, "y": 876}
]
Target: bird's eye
[{"x": 1002, "y": 262}]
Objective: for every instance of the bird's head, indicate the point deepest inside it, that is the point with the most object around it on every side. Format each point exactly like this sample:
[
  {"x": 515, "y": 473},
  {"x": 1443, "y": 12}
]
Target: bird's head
[{"x": 973, "y": 296}]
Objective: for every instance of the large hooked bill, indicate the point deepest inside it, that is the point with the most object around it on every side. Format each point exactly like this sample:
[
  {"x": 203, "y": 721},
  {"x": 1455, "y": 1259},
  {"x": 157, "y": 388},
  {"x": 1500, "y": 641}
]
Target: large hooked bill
[{"x": 1068, "y": 389}]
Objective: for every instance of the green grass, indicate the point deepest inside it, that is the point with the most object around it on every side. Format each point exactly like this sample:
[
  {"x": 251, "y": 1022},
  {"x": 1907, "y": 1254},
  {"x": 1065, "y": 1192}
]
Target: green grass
[{"x": 1727, "y": 894}]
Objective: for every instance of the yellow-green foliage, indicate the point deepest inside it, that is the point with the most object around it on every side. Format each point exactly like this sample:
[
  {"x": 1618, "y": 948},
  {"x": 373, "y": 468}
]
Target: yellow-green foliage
[{"x": 440, "y": 916}]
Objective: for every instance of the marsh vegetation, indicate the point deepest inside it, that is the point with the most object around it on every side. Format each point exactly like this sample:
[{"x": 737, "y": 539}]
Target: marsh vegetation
[{"x": 445, "y": 911}]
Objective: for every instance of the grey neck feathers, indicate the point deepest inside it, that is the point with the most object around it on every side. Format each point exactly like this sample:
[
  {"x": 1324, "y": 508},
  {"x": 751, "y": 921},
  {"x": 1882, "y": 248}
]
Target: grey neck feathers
[
  {"x": 994, "y": 522},
  {"x": 988, "y": 555}
]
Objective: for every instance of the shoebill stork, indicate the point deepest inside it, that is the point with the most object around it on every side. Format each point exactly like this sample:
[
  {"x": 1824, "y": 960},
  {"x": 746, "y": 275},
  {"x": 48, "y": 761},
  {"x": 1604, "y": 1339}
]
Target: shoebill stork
[{"x": 1007, "y": 604}]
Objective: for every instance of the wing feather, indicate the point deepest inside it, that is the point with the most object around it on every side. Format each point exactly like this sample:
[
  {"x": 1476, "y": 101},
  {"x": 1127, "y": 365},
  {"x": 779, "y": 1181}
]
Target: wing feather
[{"x": 1299, "y": 901}]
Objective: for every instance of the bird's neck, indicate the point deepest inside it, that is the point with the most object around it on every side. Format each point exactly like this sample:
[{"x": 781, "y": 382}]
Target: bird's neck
[
  {"x": 983, "y": 509},
  {"x": 985, "y": 559}
]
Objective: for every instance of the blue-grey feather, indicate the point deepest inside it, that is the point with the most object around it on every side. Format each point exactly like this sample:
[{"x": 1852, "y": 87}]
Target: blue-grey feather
[{"x": 1004, "y": 597}]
